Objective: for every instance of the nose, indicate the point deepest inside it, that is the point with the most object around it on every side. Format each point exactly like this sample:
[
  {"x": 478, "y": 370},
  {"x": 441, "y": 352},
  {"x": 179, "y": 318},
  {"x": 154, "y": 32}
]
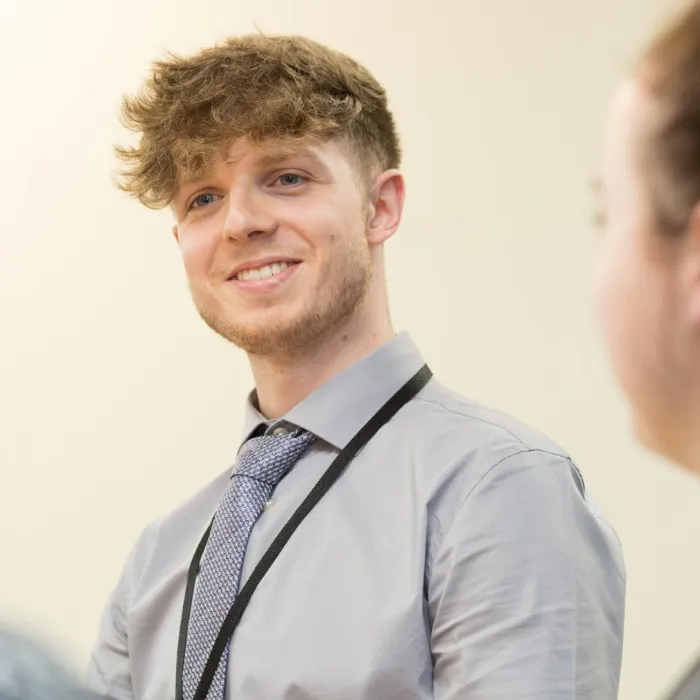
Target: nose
[{"x": 247, "y": 216}]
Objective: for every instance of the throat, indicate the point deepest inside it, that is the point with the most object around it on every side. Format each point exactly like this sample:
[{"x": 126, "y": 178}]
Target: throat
[{"x": 283, "y": 382}]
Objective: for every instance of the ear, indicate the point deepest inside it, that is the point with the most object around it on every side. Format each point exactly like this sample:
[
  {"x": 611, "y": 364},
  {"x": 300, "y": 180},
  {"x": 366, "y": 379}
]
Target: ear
[{"x": 386, "y": 198}]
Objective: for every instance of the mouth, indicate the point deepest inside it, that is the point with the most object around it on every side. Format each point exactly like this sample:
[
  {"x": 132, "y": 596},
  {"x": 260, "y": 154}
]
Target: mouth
[
  {"x": 263, "y": 272},
  {"x": 263, "y": 275}
]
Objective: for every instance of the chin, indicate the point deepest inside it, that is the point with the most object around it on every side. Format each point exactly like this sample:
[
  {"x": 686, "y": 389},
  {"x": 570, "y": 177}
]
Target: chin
[
  {"x": 644, "y": 435},
  {"x": 274, "y": 337},
  {"x": 661, "y": 439}
]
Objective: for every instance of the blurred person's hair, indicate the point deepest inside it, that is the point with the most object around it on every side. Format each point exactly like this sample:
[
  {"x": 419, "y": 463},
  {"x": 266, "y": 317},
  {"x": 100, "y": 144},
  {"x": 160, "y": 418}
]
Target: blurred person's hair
[
  {"x": 273, "y": 91},
  {"x": 670, "y": 70},
  {"x": 28, "y": 671}
]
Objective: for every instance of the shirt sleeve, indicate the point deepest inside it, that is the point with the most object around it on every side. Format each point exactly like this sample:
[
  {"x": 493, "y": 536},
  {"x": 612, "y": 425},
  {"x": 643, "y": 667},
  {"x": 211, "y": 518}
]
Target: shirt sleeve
[
  {"x": 108, "y": 672},
  {"x": 526, "y": 592}
]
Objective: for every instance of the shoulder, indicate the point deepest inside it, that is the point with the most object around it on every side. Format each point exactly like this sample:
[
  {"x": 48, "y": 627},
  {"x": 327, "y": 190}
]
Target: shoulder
[
  {"x": 489, "y": 472},
  {"x": 465, "y": 451},
  {"x": 474, "y": 419},
  {"x": 448, "y": 421},
  {"x": 166, "y": 542}
]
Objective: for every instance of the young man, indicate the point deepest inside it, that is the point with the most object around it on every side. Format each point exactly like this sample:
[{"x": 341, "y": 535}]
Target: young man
[{"x": 457, "y": 555}]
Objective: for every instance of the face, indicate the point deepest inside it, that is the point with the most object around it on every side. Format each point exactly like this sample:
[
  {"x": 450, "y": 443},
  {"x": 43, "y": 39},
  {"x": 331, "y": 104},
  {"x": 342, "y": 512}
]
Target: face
[
  {"x": 640, "y": 285},
  {"x": 278, "y": 249}
]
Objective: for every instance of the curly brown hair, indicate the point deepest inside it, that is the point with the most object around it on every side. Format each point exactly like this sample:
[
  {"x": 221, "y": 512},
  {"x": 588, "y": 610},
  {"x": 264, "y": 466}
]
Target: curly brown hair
[{"x": 271, "y": 90}]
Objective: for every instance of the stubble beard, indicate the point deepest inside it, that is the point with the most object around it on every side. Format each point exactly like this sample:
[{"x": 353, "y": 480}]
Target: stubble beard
[{"x": 347, "y": 283}]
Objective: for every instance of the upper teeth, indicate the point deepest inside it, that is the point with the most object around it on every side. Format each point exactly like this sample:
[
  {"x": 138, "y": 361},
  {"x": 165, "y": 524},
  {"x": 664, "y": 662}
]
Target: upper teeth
[{"x": 259, "y": 273}]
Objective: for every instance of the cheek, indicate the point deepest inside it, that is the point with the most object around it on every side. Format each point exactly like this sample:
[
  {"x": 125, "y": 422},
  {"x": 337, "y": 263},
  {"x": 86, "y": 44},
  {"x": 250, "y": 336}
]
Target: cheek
[
  {"x": 610, "y": 281},
  {"x": 629, "y": 301},
  {"x": 315, "y": 219},
  {"x": 197, "y": 253},
  {"x": 331, "y": 235},
  {"x": 620, "y": 299}
]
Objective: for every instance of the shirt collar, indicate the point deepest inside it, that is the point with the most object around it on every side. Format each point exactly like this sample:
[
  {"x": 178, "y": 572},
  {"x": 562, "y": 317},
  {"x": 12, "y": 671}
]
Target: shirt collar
[{"x": 340, "y": 407}]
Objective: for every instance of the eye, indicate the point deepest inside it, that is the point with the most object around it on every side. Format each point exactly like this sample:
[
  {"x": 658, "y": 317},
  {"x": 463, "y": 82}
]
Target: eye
[
  {"x": 290, "y": 179},
  {"x": 204, "y": 200}
]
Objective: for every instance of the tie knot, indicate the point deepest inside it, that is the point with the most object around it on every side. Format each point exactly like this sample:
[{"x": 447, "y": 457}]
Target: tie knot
[{"x": 270, "y": 457}]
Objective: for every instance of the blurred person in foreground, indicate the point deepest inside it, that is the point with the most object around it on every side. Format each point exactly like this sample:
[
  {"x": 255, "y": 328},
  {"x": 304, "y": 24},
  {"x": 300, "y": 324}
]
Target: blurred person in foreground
[
  {"x": 29, "y": 672},
  {"x": 648, "y": 278},
  {"x": 379, "y": 536}
]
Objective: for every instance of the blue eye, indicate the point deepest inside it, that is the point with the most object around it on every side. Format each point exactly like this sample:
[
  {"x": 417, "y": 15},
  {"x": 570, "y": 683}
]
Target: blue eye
[
  {"x": 290, "y": 179},
  {"x": 203, "y": 200}
]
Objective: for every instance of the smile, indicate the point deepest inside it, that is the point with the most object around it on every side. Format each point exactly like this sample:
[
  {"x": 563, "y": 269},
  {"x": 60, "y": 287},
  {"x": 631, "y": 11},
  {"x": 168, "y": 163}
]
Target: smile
[{"x": 259, "y": 273}]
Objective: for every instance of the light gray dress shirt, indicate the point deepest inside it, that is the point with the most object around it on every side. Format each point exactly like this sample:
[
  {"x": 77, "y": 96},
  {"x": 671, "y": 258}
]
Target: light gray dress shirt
[
  {"x": 459, "y": 556},
  {"x": 688, "y": 688}
]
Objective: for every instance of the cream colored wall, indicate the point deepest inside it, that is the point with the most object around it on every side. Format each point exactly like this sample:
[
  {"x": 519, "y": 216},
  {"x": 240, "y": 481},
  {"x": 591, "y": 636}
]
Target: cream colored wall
[{"x": 116, "y": 402}]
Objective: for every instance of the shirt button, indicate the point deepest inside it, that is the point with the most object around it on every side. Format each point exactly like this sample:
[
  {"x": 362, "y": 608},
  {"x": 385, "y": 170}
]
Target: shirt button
[
  {"x": 279, "y": 431},
  {"x": 268, "y": 504}
]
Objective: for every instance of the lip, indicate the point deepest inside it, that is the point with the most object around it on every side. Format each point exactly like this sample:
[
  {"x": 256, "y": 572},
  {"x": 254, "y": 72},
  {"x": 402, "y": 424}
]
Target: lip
[{"x": 261, "y": 262}]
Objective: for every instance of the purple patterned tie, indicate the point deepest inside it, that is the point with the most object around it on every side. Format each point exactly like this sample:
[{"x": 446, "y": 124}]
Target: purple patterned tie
[{"x": 261, "y": 464}]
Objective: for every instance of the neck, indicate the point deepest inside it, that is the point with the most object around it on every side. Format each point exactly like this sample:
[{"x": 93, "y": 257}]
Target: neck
[{"x": 283, "y": 382}]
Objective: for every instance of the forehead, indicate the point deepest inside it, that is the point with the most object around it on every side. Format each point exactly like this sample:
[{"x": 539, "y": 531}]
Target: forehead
[
  {"x": 621, "y": 118},
  {"x": 631, "y": 120},
  {"x": 623, "y": 132},
  {"x": 270, "y": 150},
  {"x": 244, "y": 153}
]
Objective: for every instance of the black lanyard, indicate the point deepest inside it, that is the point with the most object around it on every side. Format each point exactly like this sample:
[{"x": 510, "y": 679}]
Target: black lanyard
[{"x": 330, "y": 476}]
